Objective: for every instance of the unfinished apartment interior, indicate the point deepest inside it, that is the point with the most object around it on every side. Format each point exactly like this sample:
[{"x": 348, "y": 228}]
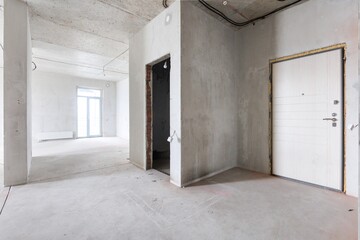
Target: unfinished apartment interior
[{"x": 201, "y": 119}]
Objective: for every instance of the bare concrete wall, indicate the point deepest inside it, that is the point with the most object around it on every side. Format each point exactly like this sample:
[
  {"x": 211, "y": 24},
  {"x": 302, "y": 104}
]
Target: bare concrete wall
[
  {"x": 17, "y": 65},
  {"x": 311, "y": 25},
  {"x": 1, "y": 90},
  {"x": 28, "y": 97},
  {"x": 122, "y": 109},
  {"x": 54, "y": 103},
  {"x": 156, "y": 40},
  {"x": 209, "y": 62},
  {"x": 358, "y": 86},
  {"x": 1, "y": 119}
]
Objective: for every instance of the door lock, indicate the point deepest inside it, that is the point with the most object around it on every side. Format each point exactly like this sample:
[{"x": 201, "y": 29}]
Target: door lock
[{"x": 330, "y": 119}]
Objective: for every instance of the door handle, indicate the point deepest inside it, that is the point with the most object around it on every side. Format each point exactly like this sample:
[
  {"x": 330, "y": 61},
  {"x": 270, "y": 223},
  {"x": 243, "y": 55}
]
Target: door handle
[{"x": 330, "y": 119}]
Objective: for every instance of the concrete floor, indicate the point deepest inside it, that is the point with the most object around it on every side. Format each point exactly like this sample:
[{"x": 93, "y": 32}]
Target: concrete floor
[
  {"x": 53, "y": 159},
  {"x": 124, "y": 202}
]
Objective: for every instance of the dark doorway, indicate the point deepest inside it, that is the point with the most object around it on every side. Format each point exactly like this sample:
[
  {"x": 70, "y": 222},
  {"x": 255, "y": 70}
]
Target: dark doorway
[{"x": 161, "y": 116}]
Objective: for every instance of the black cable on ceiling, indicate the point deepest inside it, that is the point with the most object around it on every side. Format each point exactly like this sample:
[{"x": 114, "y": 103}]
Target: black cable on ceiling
[
  {"x": 242, "y": 24},
  {"x": 165, "y": 4}
]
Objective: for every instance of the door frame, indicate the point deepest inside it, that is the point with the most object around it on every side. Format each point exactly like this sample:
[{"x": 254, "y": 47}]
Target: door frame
[
  {"x": 149, "y": 111},
  {"x": 342, "y": 47},
  {"x": 101, "y": 112}
]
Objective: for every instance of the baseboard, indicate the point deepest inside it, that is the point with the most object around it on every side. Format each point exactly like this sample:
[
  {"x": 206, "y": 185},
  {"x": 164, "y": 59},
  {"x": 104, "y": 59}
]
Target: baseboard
[{"x": 207, "y": 176}]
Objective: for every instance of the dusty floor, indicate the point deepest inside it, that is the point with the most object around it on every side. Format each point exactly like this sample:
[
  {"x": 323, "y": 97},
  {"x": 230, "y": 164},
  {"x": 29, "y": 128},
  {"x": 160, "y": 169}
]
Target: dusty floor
[
  {"x": 124, "y": 202},
  {"x": 53, "y": 159}
]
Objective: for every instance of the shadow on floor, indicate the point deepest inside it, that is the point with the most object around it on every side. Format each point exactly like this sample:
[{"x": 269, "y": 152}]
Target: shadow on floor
[{"x": 233, "y": 175}]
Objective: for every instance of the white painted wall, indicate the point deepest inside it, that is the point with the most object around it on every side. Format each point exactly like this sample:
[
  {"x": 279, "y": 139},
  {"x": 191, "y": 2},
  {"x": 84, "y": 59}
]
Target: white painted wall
[
  {"x": 210, "y": 64},
  {"x": 17, "y": 66},
  {"x": 54, "y": 103},
  {"x": 311, "y": 25},
  {"x": 154, "y": 41},
  {"x": 122, "y": 109}
]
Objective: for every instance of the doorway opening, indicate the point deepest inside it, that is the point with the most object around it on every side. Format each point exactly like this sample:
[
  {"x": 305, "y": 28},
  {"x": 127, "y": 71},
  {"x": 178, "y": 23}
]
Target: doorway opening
[
  {"x": 158, "y": 116},
  {"x": 88, "y": 113},
  {"x": 307, "y": 117}
]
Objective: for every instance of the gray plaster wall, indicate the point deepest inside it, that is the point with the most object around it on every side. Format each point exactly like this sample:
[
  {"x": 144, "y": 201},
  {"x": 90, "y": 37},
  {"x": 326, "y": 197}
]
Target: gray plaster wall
[
  {"x": 358, "y": 86},
  {"x": 311, "y": 25},
  {"x": 28, "y": 97},
  {"x": 54, "y": 103},
  {"x": 1, "y": 90},
  {"x": 17, "y": 110},
  {"x": 122, "y": 109},
  {"x": 209, "y": 76},
  {"x": 1, "y": 118},
  {"x": 157, "y": 39}
]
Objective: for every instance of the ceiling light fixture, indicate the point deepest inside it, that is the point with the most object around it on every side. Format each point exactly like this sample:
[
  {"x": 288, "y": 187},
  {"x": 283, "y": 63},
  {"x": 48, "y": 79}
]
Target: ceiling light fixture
[{"x": 225, "y": 3}]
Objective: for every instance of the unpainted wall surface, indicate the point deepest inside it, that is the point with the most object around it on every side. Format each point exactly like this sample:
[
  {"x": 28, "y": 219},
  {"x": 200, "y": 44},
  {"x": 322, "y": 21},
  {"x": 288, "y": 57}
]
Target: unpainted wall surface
[
  {"x": 209, "y": 96},
  {"x": 1, "y": 118},
  {"x": 17, "y": 77},
  {"x": 161, "y": 37},
  {"x": 54, "y": 105},
  {"x": 311, "y": 25},
  {"x": 358, "y": 87},
  {"x": 1, "y": 91},
  {"x": 122, "y": 109}
]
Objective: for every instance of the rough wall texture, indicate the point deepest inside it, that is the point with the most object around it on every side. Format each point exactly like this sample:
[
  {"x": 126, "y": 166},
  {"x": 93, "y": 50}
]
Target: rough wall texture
[
  {"x": 122, "y": 109},
  {"x": 55, "y": 103},
  {"x": 358, "y": 86},
  {"x": 1, "y": 118},
  {"x": 149, "y": 114},
  {"x": 1, "y": 91},
  {"x": 17, "y": 65},
  {"x": 311, "y": 25},
  {"x": 161, "y": 37},
  {"x": 209, "y": 96},
  {"x": 28, "y": 98}
]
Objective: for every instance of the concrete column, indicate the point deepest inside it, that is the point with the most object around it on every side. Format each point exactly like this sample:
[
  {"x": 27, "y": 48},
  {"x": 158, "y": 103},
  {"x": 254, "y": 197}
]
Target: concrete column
[{"x": 17, "y": 73}]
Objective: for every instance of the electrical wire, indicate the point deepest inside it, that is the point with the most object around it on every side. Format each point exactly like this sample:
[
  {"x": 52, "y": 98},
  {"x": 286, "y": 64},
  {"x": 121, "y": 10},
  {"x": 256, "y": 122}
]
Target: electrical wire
[
  {"x": 35, "y": 66},
  {"x": 242, "y": 24},
  {"x": 165, "y": 4},
  {"x": 114, "y": 60},
  {"x": 78, "y": 65}
]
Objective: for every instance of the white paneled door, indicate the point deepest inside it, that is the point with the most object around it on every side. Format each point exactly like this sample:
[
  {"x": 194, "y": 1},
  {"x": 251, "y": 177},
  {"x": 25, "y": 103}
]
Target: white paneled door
[{"x": 307, "y": 119}]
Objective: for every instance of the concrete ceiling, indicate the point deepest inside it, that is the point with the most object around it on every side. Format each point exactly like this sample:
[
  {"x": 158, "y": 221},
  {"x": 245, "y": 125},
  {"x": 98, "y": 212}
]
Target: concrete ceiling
[
  {"x": 81, "y": 37},
  {"x": 244, "y": 10}
]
